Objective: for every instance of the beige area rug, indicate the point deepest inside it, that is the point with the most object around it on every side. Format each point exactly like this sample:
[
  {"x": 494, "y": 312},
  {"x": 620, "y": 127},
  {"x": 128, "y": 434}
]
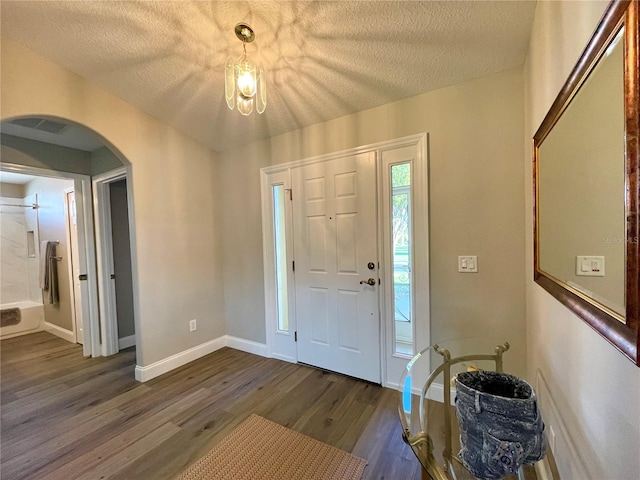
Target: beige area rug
[{"x": 259, "y": 449}]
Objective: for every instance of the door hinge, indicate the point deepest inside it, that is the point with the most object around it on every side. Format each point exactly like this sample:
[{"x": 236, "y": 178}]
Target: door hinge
[
  {"x": 290, "y": 190},
  {"x": 113, "y": 277},
  {"x": 295, "y": 336},
  {"x": 293, "y": 265},
  {"x": 82, "y": 276}
]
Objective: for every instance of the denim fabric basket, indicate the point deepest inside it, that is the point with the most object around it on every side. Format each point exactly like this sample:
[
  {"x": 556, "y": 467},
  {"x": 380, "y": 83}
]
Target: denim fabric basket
[{"x": 500, "y": 425}]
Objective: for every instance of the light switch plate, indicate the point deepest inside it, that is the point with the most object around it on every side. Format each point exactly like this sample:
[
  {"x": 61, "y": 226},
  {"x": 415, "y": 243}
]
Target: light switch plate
[
  {"x": 468, "y": 264},
  {"x": 589, "y": 266}
]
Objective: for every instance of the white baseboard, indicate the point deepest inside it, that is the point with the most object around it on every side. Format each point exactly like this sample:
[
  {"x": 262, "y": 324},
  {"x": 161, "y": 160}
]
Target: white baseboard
[
  {"x": 126, "y": 342},
  {"x": 167, "y": 364},
  {"x": 392, "y": 385},
  {"x": 174, "y": 361},
  {"x": 60, "y": 332},
  {"x": 435, "y": 393},
  {"x": 246, "y": 345},
  {"x": 278, "y": 356}
]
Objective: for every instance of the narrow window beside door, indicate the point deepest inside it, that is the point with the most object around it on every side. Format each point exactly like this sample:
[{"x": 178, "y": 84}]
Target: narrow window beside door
[
  {"x": 402, "y": 265},
  {"x": 280, "y": 256}
]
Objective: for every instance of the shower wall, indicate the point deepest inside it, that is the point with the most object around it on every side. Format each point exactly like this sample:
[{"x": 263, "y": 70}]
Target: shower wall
[
  {"x": 19, "y": 255},
  {"x": 52, "y": 226}
]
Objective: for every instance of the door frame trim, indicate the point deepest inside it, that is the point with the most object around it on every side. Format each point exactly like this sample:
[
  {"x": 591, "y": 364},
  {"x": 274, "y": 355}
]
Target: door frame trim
[
  {"x": 421, "y": 231},
  {"x": 276, "y": 338},
  {"x": 394, "y": 363},
  {"x": 90, "y": 324},
  {"x": 72, "y": 283},
  {"x": 104, "y": 247}
]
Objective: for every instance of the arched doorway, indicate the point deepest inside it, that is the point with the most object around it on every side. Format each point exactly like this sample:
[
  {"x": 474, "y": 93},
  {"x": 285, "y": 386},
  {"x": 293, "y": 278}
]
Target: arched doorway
[{"x": 44, "y": 147}]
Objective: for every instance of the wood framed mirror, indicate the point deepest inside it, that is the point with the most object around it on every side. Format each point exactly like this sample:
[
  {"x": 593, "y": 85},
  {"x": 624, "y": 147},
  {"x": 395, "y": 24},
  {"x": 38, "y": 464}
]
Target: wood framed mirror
[{"x": 586, "y": 184}]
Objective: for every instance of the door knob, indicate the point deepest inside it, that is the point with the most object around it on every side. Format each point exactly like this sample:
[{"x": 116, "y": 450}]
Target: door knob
[{"x": 371, "y": 282}]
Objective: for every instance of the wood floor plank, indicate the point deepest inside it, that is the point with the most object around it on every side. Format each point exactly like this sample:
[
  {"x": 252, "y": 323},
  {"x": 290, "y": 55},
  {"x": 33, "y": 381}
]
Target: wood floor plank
[
  {"x": 179, "y": 451},
  {"x": 133, "y": 451},
  {"x": 32, "y": 460},
  {"x": 22, "y": 411},
  {"x": 15, "y": 442},
  {"x": 67, "y": 417},
  {"x": 97, "y": 452}
]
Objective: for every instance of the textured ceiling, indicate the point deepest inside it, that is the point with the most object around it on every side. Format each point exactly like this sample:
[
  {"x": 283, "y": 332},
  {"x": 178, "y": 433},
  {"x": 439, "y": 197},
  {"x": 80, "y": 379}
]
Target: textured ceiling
[{"x": 323, "y": 59}]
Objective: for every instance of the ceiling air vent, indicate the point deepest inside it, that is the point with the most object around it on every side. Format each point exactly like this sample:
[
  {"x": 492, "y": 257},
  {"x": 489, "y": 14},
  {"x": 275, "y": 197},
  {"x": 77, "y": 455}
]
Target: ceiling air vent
[{"x": 41, "y": 124}]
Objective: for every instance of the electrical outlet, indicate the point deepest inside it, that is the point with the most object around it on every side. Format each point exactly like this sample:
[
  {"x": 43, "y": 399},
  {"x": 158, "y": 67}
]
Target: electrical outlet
[{"x": 192, "y": 325}]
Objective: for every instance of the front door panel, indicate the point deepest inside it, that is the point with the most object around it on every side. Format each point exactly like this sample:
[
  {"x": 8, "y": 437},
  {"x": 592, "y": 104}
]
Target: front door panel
[{"x": 334, "y": 211}]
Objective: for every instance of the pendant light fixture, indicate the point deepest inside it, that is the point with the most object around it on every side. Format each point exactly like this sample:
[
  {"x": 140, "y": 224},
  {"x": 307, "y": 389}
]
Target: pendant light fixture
[{"x": 244, "y": 82}]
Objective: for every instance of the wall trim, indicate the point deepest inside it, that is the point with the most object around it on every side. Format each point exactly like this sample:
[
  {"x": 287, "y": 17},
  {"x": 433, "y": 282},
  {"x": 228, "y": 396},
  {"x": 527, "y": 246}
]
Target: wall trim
[
  {"x": 248, "y": 346},
  {"x": 394, "y": 386},
  {"x": 179, "y": 359},
  {"x": 372, "y": 147},
  {"x": 435, "y": 393},
  {"x": 126, "y": 342},
  {"x": 63, "y": 333},
  {"x": 174, "y": 361},
  {"x": 284, "y": 358},
  {"x": 568, "y": 455}
]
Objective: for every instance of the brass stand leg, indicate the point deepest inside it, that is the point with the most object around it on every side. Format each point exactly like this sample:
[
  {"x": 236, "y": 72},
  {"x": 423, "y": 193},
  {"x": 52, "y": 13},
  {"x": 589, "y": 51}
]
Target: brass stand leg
[{"x": 425, "y": 475}]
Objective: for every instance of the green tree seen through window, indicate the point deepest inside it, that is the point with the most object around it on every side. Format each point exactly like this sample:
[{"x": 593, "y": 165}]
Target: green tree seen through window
[{"x": 400, "y": 181}]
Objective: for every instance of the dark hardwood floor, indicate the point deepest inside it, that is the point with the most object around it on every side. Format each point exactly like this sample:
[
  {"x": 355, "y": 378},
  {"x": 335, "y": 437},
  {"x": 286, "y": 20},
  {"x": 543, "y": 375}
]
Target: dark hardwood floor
[{"x": 67, "y": 417}]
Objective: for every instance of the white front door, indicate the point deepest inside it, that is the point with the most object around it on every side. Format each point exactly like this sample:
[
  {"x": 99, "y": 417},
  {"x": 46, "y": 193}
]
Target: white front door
[{"x": 335, "y": 252}]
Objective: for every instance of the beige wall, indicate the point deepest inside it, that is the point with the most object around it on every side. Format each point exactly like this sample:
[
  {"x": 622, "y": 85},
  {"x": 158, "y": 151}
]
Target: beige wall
[
  {"x": 475, "y": 135},
  {"x": 52, "y": 226},
  {"x": 11, "y": 190},
  {"x": 53, "y": 157},
  {"x": 590, "y": 393},
  {"x": 103, "y": 160},
  {"x": 43, "y": 155},
  {"x": 176, "y": 252}
]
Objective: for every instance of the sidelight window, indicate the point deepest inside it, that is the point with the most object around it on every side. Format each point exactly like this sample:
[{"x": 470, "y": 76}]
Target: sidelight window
[
  {"x": 401, "y": 243},
  {"x": 280, "y": 256}
]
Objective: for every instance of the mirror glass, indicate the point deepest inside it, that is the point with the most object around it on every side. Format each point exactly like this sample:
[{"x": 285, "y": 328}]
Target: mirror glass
[
  {"x": 586, "y": 157},
  {"x": 581, "y": 189}
]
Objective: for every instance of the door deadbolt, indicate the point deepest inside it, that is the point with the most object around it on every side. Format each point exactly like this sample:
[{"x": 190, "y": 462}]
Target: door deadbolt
[{"x": 371, "y": 265}]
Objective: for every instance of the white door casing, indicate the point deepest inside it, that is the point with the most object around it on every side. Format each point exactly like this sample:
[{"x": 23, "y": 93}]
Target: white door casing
[
  {"x": 414, "y": 153},
  {"x": 104, "y": 242},
  {"x": 335, "y": 238},
  {"x": 413, "y": 149},
  {"x": 280, "y": 343},
  {"x": 72, "y": 227}
]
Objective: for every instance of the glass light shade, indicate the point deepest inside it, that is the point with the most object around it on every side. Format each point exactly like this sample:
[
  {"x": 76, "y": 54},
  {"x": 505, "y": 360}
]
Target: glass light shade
[
  {"x": 245, "y": 105},
  {"x": 245, "y": 86},
  {"x": 246, "y": 79},
  {"x": 230, "y": 83},
  {"x": 261, "y": 98}
]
